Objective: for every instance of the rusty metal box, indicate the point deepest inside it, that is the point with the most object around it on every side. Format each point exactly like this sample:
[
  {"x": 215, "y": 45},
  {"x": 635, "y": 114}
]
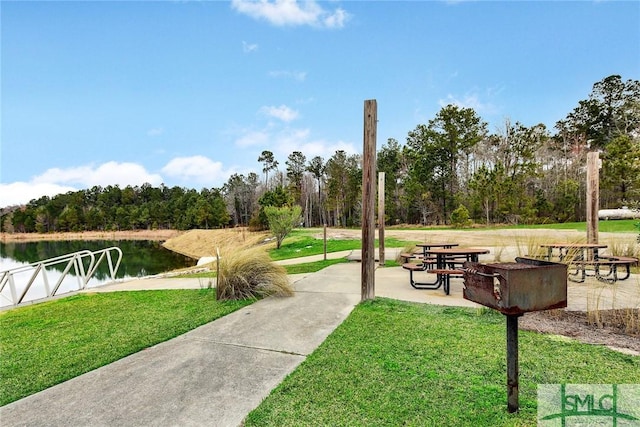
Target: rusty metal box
[{"x": 517, "y": 287}]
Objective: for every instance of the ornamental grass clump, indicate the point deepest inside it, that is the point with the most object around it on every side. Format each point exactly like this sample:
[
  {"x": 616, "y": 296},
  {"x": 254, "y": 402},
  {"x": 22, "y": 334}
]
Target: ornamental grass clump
[
  {"x": 407, "y": 249},
  {"x": 250, "y": 274}
]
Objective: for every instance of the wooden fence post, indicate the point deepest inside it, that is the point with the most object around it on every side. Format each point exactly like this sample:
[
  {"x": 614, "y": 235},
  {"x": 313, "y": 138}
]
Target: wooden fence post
[
  {"x": 381, "y": 218},
  {"x": 368, "y": 200},
  {"x": 593, "y": 196},
  {"x": 324, "y": 242},
  {"x": 218, "y": 277}
]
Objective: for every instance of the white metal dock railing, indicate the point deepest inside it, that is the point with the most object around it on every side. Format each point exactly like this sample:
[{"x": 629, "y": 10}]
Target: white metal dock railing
[{"x": 81, "y": 264}]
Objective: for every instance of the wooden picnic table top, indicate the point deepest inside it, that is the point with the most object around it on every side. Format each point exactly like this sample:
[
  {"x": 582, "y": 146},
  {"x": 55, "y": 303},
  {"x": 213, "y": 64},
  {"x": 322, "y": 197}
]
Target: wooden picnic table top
[
  {"x": 436, "y": 245},
  {"x": 458, "y": 251}
]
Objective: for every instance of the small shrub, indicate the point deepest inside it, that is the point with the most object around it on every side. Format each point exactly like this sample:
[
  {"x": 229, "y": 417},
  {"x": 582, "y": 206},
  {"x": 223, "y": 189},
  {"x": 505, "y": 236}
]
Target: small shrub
[
  {"x": 460, "y": 217},
  {"x": 282, "y": 220},
  {"x": 251, "y": 274}
]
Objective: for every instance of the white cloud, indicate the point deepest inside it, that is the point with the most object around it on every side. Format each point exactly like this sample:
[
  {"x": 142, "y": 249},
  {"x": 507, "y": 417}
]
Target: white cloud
[
  {"x": 252, "y": 138},
  {"x": 110, "y": 173},
  {"x": 292, "y": 12},
  {"x": 200, "y": 169},
  {"x": 282, "y": 112},
  {"x": 284, "y": 140},
  {"x": 20, "y": 193},
  {"x": 469, "y": 101},
  {"x": 56, "y": 181},
  {"x": 296, "y": 75},
  {"x": 312, "y": 148},
  {"x": 290, "y": 140},
  {"x": 337, "y": 19},
  {"x": 249, "y": 47}
]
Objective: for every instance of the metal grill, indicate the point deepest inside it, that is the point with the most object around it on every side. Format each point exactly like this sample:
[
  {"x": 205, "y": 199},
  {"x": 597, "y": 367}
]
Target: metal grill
[
  {"x": 517, "y": 288},
  {"x": 514, "y": 289}
]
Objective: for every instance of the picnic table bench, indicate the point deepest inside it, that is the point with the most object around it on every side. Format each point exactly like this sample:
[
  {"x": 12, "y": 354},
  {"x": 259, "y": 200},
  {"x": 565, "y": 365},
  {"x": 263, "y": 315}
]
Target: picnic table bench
[
  {"x": 406, "y": 256},
  {"x": 585, "y": 258},
  {"x": 447, "y": 264},
  {"x": 615, "y": 265}
]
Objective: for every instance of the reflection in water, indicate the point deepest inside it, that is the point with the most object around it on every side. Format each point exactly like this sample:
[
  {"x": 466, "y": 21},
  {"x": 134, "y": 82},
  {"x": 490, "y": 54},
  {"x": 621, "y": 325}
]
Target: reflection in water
[{"x": 140, "y": 258}]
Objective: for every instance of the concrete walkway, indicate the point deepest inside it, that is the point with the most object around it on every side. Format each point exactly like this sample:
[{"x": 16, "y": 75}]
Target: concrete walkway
[{"x": 216, "y": 374}]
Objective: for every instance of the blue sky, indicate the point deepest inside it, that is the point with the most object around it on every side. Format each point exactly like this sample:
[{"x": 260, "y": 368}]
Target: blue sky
[{"x": 188, "y": 92}]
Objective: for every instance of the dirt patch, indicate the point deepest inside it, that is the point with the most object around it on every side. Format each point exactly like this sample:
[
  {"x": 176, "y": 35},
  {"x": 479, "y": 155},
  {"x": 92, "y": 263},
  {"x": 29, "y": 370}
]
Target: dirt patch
[
  {"x": 613, "y": 332},
  {"x": 522, "y": 238}
]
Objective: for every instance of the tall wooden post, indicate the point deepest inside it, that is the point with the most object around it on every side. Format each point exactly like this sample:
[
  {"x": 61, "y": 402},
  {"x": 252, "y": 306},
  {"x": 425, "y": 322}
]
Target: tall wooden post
[
  {"x": 368, "y": 199},
  {"x": 381, "y": 218},
  {"x": 324, "y": 242},
  {"x": 218, "y": 278},
  {"x": 593, "y": 196}
]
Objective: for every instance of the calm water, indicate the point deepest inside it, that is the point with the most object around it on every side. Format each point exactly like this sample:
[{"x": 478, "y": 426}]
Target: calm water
[{"x": 139, "y": 258}]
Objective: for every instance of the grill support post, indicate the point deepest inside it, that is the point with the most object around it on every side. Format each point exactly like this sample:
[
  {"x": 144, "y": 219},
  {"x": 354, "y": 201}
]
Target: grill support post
[
  {"x": 512, "y": 363},
  {"x": 514, "y": 289}
]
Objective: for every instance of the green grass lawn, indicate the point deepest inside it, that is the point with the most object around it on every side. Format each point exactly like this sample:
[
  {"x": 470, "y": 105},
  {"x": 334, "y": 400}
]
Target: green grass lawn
[
  {"x": 305, "y": 267},
  {"x": 617, "y": 226},
  {"x": 612, "y": 226},
  {"x": 312, "y": 267},
  {"x": 393, "y": 363},
  {"x": 390, "y": 363},
  {"x": 48, "y": 343},
  {"x": 300, "y": 244}
]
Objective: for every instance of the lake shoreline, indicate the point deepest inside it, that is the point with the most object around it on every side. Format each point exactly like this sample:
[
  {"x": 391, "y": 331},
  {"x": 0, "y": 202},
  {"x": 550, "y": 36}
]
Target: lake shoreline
[{"x": 157, "y": 235}]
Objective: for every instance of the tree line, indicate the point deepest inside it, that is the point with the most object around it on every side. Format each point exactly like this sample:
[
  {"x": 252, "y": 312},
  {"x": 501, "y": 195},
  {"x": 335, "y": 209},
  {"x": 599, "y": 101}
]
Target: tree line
[{"x": 517, "y": 174}]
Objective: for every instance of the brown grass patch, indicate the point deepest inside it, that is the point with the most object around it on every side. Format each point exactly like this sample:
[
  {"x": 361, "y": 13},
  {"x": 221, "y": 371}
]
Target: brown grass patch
[
  {"x": 200, "y": 243},
  {"x": 157, "y": 235}
]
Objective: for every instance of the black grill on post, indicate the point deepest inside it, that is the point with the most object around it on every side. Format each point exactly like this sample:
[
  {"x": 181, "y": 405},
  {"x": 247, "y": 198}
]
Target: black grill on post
[{"x": 514, "y": 289}]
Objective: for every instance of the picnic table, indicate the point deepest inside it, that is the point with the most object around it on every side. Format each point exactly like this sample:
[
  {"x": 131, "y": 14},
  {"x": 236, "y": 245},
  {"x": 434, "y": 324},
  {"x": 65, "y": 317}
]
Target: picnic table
[
  {"x": 587, "y": 261},
  {"x": 427, "y": 246},
  {"x": 448, "y": 263},
  {"x": 424, "y": 247},
  {"x": 582, "y": 251}
]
